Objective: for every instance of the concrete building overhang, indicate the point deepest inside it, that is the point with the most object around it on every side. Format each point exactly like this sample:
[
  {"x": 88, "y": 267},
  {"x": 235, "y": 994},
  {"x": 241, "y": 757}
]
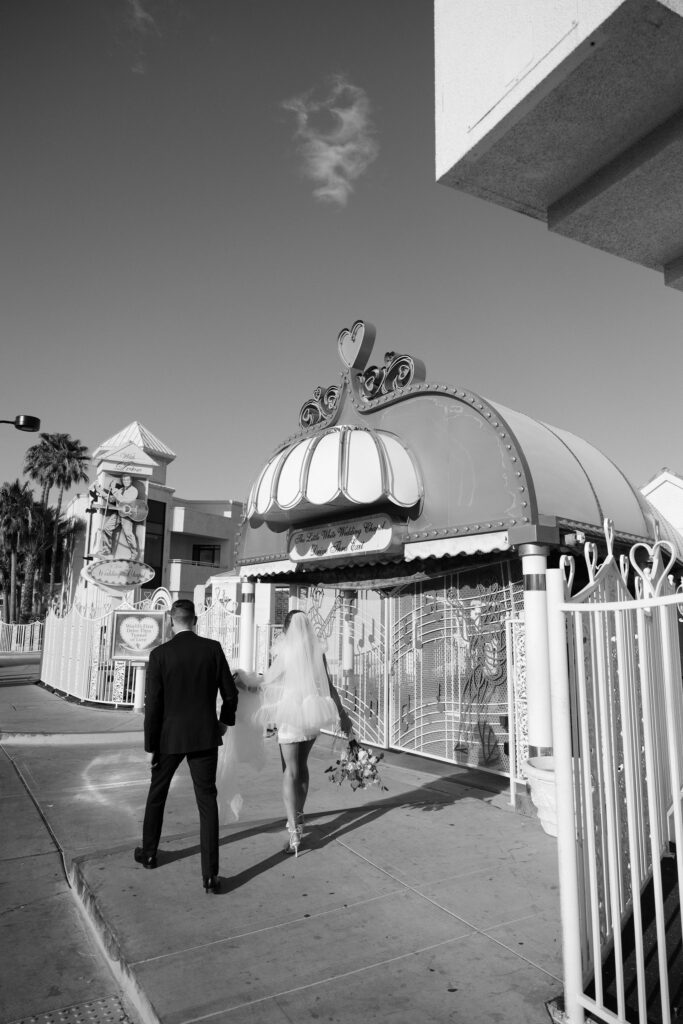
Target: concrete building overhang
[{"x": 572, "y": 114}]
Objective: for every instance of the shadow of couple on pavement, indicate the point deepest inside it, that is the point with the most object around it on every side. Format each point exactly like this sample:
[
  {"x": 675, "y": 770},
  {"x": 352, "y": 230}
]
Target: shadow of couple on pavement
[{"x": 328, "y": 826}]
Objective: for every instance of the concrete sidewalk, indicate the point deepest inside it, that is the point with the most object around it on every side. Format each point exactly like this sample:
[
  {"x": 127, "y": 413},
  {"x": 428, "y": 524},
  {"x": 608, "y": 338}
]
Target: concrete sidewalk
[{"x": 432, "y": 900}]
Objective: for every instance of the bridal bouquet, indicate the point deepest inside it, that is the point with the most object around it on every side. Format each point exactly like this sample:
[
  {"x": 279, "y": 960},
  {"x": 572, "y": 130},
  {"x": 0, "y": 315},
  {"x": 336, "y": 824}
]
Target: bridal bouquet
[{"x": 358, "y": 766}]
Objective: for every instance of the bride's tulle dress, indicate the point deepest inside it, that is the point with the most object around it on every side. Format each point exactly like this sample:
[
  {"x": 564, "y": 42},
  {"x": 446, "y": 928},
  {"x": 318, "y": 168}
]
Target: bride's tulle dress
[
  {"x": 296, "y": 690},
  {"x": 243, "y": 745},
  {"x": 294, "y": 695}
]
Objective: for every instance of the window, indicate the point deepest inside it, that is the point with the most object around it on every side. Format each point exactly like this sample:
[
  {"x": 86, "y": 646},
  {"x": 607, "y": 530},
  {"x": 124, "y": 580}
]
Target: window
[
  {"x": 154, "y": 540},
  {"x": 210, "y": 553},
  {"x": 281, "y": 604}
]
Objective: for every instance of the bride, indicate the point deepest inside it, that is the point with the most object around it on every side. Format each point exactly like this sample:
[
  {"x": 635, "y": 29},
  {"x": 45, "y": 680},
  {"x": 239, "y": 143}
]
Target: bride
[{"x": 298, "y": 696}]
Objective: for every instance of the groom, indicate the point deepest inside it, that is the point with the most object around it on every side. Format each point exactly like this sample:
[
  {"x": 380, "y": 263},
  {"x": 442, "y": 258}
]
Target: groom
[{"x": 184, "y": 678}]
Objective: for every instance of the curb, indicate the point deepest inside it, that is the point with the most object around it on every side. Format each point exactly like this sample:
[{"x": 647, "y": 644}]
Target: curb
[
  {"x": 14, "y": 659},
  {"x": 54, "y": 739},
  {"x": 110, "y": 946},
  {"x": 17, "y": 679}
]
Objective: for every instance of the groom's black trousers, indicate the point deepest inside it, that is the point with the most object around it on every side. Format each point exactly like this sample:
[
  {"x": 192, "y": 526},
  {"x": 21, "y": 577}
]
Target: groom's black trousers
[{"x": 202, "y": 765}]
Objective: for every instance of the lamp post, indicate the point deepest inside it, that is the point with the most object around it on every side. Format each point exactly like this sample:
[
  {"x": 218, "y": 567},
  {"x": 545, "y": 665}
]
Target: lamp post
[{"x": 31, "y": 423}]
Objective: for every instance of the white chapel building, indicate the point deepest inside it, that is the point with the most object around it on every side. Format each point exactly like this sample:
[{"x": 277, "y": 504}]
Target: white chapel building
[{"x": 185, "y": 541}]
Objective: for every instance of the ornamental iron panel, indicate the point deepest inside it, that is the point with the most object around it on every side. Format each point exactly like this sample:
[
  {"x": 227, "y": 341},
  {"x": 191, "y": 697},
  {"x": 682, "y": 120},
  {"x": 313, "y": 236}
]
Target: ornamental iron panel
[
  {"x": 449, "y": 694},
  {"x": 618, "y": 737},
  {"x": 437, "y": 668},
  {"x": 359, "y": 622},
  {"x": 220, "y": 621}
]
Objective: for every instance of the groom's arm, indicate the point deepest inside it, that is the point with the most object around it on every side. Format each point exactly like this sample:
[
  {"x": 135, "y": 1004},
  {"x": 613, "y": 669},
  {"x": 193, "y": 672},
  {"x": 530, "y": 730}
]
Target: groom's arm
[{"x": 154, "y": 703}]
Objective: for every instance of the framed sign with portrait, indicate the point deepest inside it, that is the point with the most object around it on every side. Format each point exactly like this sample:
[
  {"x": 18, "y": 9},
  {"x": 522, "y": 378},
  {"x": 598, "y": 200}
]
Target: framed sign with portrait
[{"x": 135, "y": 633}]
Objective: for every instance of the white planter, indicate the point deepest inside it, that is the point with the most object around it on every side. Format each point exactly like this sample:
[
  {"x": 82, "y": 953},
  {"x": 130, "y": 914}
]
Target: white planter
[{"x": 540, "y": 775}]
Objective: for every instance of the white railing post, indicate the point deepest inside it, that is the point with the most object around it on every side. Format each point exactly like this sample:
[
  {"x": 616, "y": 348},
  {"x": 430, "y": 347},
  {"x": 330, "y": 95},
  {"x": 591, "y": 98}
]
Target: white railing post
[
  {"x": 246, "y": 660},
  {"x": 512, "y": 712},
  {"x": 672, "y": 703},
  {"x": 651, "y": 744},
  {"x": 347, "y": 645},
  {"x": 534, "y": 568},
  {"x": 139, "y": 701},
  {"x": 564, "y": 788}
]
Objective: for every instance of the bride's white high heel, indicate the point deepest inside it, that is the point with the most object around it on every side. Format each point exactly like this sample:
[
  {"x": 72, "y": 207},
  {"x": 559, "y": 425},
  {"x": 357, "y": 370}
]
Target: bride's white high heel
[{"x": 294, "y": 839}]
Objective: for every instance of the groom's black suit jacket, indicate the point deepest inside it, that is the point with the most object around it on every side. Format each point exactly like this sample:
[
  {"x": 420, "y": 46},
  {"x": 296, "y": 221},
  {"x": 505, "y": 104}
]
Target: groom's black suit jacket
[{"x": 184, "y": 678}]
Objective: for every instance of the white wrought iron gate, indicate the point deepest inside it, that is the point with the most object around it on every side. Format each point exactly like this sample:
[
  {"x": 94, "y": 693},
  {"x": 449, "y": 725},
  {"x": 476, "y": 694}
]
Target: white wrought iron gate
[
  {"x": 366, "y": 695},
  {"x": 220, "y": 621},
  {"x": 435, "y": 665},
  {"x": 617, "y": 698},
  {"x": 362, "y": 622},
  {"x": 449, "y": 696}
]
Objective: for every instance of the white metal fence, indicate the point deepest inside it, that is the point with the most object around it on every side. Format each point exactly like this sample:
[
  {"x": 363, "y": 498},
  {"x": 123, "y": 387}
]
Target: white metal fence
[
  {"x": 618, "y": 747},
  {"x": 266, "y": 634},
  {"x": 76, "y": 657},
  {"x": 22, "y": 638},
  {"x": 220, "y": 621},
  {"x": 436, "y": 668}
]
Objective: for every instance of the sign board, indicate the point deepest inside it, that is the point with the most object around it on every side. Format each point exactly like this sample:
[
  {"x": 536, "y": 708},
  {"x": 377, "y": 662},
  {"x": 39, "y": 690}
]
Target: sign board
[
  {"x": 117, "y": 574},
  {"x": 369, "y": 535},
  {"x": 129, "y": 458},
  {"x": 135, "y": 633}
]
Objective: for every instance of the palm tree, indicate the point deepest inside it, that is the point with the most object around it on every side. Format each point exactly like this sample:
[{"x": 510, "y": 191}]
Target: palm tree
[
  {"x": 38, "y": 541},
  {"x": 38, "y": 466},
  {"x": 36, "y": 463},
  {"x": 4, "y": 581},
  {"x": 63, "y": 463},
  {"x": 16, "y": 505},
  {"x": 69, "y": 533}
]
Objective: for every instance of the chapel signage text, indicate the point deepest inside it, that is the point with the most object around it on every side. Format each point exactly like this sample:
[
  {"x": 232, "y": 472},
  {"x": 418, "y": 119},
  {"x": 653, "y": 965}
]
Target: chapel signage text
[{"x": 368, "y": 535}]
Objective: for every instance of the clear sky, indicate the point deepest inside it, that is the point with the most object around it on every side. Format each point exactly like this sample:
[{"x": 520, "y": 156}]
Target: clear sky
[{"x": 186, "y": 225}]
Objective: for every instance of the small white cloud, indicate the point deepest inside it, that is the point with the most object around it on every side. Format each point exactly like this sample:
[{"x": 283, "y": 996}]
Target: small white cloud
[
  {"x": 141, "y": 24},
  {"x": 336, "y": 138},
  {"x": 140, "y": 18}
]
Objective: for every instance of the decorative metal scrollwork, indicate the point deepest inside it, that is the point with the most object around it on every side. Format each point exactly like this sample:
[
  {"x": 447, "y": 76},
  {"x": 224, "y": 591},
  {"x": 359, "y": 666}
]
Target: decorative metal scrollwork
[
  {"x": 398, "y": 372},
  {"x": 590, "y": 552},
  {"x": 646, "y": 571},
  {"x": 679, "y": 606},
  {"x": 568, "y": 569},
  {"x": 648, "y": 561},
  {"x": 320, "y": 408},
  {"x": 624, "y": 568}
]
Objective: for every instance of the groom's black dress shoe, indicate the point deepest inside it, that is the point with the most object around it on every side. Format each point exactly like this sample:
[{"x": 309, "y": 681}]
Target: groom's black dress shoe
[
  {"x": 212, "y": 883},
  {"x": 147, "y": 862}
]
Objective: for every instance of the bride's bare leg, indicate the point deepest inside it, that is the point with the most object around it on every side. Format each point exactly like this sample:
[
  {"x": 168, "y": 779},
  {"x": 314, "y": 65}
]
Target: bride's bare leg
[
  {"x": 290, "y": 779},
  {"x": 304, "y": 778}
]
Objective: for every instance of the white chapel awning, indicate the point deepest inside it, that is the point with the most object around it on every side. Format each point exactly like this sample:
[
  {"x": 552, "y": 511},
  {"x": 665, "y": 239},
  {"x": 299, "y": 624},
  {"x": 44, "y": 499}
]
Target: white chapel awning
[
  {"x": 450, "y": 547},
  {"x": 341, "y": 469}
]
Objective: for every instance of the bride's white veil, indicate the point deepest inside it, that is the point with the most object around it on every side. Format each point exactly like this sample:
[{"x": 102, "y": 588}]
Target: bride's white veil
[{"x": 296, "y": 688}]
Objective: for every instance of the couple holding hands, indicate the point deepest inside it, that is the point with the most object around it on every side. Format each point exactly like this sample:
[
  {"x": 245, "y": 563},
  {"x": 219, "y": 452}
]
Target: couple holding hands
[{"x": 184, "y": 679}]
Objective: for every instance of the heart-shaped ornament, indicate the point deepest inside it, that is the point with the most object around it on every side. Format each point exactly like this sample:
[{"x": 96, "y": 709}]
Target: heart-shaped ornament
[
  {"x": 355, "y": 345},
  {"x": 654, "y": 573},
  {"x": 568, "y": 568},
  {"x": 139, "y": 634}
]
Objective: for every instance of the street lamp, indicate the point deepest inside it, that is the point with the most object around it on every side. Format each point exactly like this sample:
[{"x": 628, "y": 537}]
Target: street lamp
[{"x": 31, "y": 423}]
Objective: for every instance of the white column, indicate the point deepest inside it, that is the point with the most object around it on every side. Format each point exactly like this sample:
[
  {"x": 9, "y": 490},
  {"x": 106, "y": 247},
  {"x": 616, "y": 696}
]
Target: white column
[
  {"x": 570, "y": 896},
  {"x": 534, "y": 567},
  {"x": 347, "y": 639},
  {"x": 139, "y": 700},
  {"x": 247, "y": 597}
]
